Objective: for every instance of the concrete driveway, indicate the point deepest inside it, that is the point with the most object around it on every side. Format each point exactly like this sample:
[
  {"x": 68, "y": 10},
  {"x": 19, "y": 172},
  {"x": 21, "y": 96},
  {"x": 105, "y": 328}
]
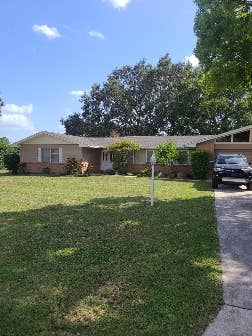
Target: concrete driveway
[{"x": 234, "y": 218}]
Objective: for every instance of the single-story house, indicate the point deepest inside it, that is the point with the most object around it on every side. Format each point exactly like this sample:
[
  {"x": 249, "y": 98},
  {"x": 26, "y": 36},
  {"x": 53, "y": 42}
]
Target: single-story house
[{"x": 50, "y": 150}]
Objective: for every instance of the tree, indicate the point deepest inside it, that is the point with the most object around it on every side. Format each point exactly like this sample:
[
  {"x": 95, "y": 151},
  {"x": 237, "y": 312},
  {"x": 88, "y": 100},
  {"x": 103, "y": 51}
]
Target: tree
[
  {"x": 166, "y": 98},
  {"x": 167, "y": 153},
  {"x": 5, "y": 148},
  {"x": 129, "y": 98},
  {"x": 121, "y": 151},
  {"x": 73, "y": 124},
  {"x": 11, "y": 161},
  {"x": 94, "y": 120},
  {"x": 224, "y": 43},
  {"x": 134, "y": 100}
]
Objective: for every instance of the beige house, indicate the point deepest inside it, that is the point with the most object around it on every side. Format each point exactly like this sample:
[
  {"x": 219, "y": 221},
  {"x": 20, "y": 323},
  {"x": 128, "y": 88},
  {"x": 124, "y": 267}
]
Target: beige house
[{"x": 50, "y": 150}]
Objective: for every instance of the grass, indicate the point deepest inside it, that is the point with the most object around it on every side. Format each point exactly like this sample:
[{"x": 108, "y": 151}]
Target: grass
[{"x": 89, "y": 256}]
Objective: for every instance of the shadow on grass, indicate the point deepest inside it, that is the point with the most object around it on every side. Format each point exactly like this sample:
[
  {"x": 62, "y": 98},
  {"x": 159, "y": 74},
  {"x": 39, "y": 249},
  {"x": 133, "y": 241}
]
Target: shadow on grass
[{"x": 113, "y": 266}]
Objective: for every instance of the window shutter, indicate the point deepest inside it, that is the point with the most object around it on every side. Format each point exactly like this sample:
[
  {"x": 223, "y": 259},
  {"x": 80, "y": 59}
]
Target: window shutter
[
  {"x": 60, "y": 155},
  {"x": 39, "y": 155}
]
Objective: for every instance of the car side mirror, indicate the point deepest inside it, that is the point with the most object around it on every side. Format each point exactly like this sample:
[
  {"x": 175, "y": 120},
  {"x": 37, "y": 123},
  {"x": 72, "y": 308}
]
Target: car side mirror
[{"x": 212, "y": 162}]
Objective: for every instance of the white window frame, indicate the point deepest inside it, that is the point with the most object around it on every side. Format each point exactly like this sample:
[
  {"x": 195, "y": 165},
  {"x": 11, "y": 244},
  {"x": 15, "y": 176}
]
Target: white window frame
[{"x": 50, "y": 156}]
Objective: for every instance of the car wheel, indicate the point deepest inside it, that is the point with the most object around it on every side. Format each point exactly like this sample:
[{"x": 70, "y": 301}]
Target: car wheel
[
  {"x": 215, "y": 184},
  {"x": 249, "y": 186}
]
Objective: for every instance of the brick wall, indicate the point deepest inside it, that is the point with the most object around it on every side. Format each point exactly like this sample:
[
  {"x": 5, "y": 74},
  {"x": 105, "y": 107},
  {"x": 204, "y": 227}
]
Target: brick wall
[
  {"x": 136, "y": 168},
  {"x": 54, "y": 168},
  {"x": 38, "y": 167}
]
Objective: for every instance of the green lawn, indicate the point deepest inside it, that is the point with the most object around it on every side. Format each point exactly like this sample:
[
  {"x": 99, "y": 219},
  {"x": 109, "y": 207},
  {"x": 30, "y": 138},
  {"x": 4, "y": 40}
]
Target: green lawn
[{"x": 89, "y": 256}]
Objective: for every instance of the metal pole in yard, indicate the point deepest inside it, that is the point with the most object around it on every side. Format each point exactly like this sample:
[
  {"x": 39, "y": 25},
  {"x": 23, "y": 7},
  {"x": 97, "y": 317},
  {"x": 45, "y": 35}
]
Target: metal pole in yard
[{"x": 153, "y": 161}]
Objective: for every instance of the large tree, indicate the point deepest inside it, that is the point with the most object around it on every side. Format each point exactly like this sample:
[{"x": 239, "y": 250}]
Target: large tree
[
  {"x": 224, "y": 44},
  {"x": 166, "y": 98},
  {"x": 135, "y": 100}
]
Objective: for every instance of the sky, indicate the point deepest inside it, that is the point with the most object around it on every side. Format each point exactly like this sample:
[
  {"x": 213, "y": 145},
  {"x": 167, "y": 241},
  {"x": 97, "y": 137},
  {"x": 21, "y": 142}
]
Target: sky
[{"x": 53, "y": 50}]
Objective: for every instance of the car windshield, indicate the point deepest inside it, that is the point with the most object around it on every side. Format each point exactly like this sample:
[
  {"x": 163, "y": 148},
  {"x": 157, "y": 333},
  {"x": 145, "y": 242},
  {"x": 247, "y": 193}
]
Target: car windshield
[{"x": 231, "y": 160}]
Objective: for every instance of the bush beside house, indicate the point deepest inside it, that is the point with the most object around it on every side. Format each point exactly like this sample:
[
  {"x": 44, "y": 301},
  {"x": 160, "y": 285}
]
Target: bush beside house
[
  {"x": 200, "y": 164},
  {"x": 11, "y": 161},
  {"x": 121, "y": 151}
]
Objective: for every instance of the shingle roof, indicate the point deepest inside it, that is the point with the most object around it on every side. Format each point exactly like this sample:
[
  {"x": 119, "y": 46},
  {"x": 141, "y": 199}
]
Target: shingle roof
[{"x": 148, "y": 142}]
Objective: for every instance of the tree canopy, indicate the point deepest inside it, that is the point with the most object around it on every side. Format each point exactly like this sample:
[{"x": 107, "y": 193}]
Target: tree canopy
[
  {"x": 166, "y": 98},
  {"x": 224, "y": 43}
]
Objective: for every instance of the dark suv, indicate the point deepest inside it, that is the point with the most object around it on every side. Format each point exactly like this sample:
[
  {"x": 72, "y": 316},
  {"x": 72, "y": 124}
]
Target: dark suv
[{"x": 232, "y": 169}]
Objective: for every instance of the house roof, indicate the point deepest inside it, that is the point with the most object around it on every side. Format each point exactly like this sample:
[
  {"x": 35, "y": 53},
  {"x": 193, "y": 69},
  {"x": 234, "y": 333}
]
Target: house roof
[{"x": 148, "y": 142}]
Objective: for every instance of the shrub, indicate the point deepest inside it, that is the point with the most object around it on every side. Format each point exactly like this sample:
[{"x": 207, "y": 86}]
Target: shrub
[
  {"x": 22, "y": 168},
  {"x": 182, "y": 157},
  {"x": 167, "y": 153},
  {"x": 146, "y": 171},
  {"x": 71, "y": 166},
  {"x": 84, "y": 168},
  {"x": 74, "y": 167},
  {"x": 121, "y": 151},
  {"x": 200, "y": 164},
  {"x": 11, "y": 162}
]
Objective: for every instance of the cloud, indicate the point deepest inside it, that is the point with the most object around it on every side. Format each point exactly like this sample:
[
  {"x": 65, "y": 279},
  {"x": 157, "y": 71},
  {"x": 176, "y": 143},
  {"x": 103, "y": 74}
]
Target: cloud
[
  {"x": 18, "y": 121},
  {"x": 50, "y": 32},
  {"x": 96, "y": 34},
  {"x": 76, "y": 93},
  {"x": 193, "y": 60},
  {"x": 15, "y": 116},
  {"x": 118, "y": 3},
  {"x": 18, "y": 109}
]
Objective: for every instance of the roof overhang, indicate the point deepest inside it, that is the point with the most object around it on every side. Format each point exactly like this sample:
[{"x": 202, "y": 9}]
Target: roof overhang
[
  {"x": 39, "y": 134},
  {"x": 214, "y": 137}
]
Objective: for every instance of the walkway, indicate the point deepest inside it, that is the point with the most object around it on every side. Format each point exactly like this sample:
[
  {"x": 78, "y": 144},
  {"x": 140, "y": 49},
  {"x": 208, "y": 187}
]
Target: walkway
[{"x": 234, "y": 218}]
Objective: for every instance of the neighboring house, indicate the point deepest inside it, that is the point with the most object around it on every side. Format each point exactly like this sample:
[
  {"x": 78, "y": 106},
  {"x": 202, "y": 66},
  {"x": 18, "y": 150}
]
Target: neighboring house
[{"x": 48, "y": 149}]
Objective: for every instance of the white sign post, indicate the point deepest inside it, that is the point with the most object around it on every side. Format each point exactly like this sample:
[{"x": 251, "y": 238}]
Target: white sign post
[{"x": 152, "y": 161}]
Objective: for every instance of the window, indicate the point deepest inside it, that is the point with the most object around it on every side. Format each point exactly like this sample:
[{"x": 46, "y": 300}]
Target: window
[
  {"x": 226, "y": 138},
  {"x": 54, "y": 155},
  {"x": 183, "y": 157},
  {"x": 45, "y": 155},
  {"x": 106, "y": 156},
  {"x": 50, "y": 155},
  {"x": 231, "y": 160},
  {"x": 130, "y": 157},
  {"x": 241, "y": 137}
]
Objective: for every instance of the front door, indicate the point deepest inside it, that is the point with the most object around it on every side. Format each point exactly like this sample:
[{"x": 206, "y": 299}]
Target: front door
[{"x": 106, "y": 161}]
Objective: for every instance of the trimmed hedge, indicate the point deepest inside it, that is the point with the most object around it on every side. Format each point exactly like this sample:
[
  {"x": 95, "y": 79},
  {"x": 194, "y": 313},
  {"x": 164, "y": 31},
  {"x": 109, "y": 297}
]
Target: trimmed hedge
[{"x": 200, "y": 164}]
